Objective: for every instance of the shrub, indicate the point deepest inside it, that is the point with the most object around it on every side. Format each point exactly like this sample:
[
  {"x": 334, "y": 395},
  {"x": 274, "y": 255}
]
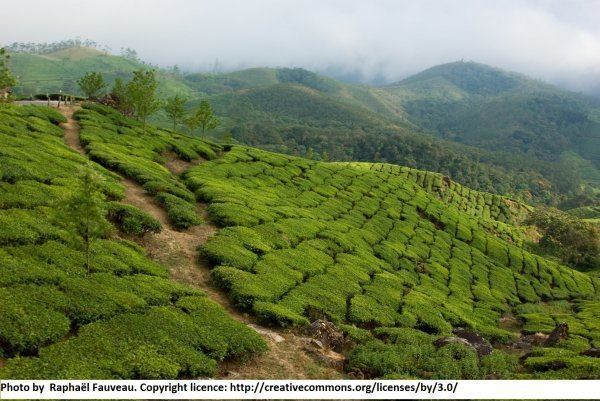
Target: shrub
[
  {"x": 132, "y": 220},
  {"x": 181, "y": 213}
]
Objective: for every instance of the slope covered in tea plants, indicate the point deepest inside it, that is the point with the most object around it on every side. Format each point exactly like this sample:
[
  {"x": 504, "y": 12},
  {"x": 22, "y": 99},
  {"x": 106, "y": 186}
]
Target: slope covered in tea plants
[
  {"x": 475, "y": 203},
  {"x": 121, "y": 319},
  {"x": 395, "y": 264},
  {"x": 123, "y": 145}
]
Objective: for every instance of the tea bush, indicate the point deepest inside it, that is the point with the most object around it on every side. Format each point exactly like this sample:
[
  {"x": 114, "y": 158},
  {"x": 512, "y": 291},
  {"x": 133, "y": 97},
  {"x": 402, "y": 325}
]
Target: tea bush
[
  {"x": 120, "y": 320},
  {"x": 132, "y": 220}
]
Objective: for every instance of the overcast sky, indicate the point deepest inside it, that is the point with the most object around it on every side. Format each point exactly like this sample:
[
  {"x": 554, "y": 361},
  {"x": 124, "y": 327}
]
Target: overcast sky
[{"x": 555, "y": 40}]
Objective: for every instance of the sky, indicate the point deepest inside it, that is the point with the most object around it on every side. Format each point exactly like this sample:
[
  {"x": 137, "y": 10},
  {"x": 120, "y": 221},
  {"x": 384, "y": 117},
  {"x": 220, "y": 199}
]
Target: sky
[{"x": 554, "y": 40}]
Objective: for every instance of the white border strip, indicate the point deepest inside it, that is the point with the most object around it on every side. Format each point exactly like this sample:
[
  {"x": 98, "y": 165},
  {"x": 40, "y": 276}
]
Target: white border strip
[{"x": 298, "y": 389}]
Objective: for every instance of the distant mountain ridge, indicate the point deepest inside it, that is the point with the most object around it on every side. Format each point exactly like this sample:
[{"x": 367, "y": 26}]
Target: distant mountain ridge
[
  {"x": 484, "y": 127},
  {"x": 490, "y": 108}
]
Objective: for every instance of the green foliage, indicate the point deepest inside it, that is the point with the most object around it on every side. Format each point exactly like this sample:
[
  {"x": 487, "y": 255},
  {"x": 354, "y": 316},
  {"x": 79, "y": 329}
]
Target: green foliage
[
  {"x": 56, "y": 69},
  {"x": 119, "y": 143},
  {"x": 174, "y": 107},
  {"x": 573, "y": 240},
  {"x": 541, "y": 149},
  {"x": 181, "y": 213},
  {"x": 162, "y": 343},
  {"x": 395, "y": 252},
  {"x": 85, "y": 211},
  {"x": 122, "y": 319},
  {"x": 203, "y": 117},
  {"x": 132, "y": 220},
  {"x": 412, "y": 355},
  {"x": 7, "y": 79},
  {"x": 555, "y": 363},
  {"x": 92, "y": 84},
  {"x": 141, "y": 94}
]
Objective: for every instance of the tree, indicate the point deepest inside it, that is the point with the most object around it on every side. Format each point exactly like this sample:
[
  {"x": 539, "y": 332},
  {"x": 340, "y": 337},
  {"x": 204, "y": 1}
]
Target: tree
[
  {"x": 141, "y": 93},
  {"x": 573, "y": 240},
  {"x": 120, "y": 97},
  {"x": 129, "y": 54},
  {"x": 85, "y": 212},
  {"x": 174, "y": 107},
  {"x": 7, "y": 79},
  {"x": 92, "y": 84},
  {"x": 202, "y": 117}
]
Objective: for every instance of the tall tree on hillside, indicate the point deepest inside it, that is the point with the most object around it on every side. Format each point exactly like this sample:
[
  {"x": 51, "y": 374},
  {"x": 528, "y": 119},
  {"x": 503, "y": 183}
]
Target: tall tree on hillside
[
  {"x": 7, "y": 79},
  {"x": 120, "y": 97},
  {"x": 92, "y": 84},
  {"x": 85, "y": 213},
  {"x": 202, "y": 117},
  {"x": 141, "y": 92},
  {"x": 174, "y": 107}
]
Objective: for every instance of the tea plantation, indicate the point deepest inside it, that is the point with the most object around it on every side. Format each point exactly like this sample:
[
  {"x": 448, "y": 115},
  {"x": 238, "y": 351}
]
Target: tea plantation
[
  {"x": 396, "y": 257},
  {"x": 121, "y": 144},
  {"x": 124, "y": 318},
  {"x": 395, "y": 261}
]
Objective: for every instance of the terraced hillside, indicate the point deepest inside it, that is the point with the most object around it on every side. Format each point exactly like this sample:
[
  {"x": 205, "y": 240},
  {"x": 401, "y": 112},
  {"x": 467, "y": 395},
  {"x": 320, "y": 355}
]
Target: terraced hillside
[
  {"x": 374, "y": 251},
  {"x": 393, "y": 256},
  {"x": 120, "y": 144},
  {"x": 475, "y": 203},
  {"x": 124, "y": 318}
]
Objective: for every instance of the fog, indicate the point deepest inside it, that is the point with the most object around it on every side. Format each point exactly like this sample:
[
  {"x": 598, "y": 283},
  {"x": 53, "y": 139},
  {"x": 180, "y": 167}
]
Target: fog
[{"x": 382, "y": 41}]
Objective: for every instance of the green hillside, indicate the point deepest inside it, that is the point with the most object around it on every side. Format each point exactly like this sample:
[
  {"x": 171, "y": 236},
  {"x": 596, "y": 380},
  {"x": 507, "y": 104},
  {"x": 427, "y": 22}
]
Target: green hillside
[
  {"x": 412, "y": 266},
  {"x": 124, "y": 318},
  {"x": 52, "y": 72},
  {"x": 485, "y": 128},
  {"x": 396, "y": 257},
  {"x": 493, "y": 109}
]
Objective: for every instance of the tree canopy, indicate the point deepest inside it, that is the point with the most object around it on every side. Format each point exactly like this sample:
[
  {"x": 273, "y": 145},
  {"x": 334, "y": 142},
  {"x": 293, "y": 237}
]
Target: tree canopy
[
  {"x": 92, "y": 84},
  {"x": 202, "y": 117},
  {"x": 174, "y": 107},
  {"x": 141, "y": 93},
  {"x": 7, "y": 79}
]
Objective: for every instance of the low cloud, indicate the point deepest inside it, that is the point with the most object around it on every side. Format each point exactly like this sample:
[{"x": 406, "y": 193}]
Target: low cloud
[{"x": 557, "y": 41}]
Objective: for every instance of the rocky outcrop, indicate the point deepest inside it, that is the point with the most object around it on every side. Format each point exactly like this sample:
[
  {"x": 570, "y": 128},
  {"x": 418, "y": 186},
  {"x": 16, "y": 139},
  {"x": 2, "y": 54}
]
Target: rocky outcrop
[
  {"x": 328, "y": 334},
  {"x": 325, "y": 342},
  {"x": 592, "y": 352},
  {"x": 476, "y": 340},
  {"x": 560, "y": 332},
  {"x": 467, "y": 338}
]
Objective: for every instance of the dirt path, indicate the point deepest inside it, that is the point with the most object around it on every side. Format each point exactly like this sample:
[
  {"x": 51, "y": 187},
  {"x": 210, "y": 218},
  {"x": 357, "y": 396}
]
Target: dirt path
[
  {"x": 71, "y": 129},
  {"x": 178, "y": 250}
]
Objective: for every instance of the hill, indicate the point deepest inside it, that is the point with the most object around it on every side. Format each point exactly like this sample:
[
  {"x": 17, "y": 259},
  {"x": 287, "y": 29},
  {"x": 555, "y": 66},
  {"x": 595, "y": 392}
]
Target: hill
[
  {"x": 493, "y": 109},
  {"x": 488, "y": 129},
  {"x": 124, "y": 318},
  {"x": 59, "y": 70},
  {"x": 397, "y": 258}
]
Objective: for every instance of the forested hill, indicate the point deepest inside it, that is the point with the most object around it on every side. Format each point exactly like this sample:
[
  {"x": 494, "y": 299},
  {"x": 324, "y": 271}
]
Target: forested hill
[
  {"x": 491, "y": 130},
  {"x": 493, "y": 109}
]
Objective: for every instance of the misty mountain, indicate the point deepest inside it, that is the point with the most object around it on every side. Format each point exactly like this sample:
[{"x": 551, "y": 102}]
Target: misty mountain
[{"x": 487, "y": 128}]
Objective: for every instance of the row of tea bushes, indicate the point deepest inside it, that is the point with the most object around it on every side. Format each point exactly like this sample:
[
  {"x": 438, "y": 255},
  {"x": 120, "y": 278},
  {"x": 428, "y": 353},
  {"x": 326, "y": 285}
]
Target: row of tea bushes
[{"x": 122, "y": 319}]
